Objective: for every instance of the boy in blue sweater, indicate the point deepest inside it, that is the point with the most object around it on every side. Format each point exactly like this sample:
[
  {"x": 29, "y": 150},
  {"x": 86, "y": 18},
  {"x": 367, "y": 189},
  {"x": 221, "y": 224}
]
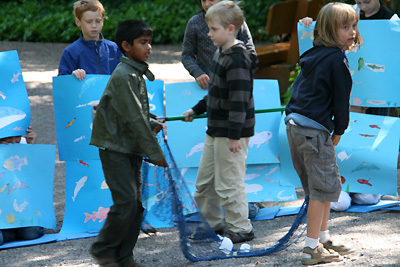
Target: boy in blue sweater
[{"x": 91, "y": 53}]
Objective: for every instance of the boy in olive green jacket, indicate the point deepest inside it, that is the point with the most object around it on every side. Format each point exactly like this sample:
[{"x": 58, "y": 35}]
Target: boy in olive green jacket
[{"x": 125, "y": 134}]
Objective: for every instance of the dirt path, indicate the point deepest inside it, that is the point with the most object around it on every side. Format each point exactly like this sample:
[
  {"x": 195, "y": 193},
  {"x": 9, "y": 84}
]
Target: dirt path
[{"x": 375, "y": 235}]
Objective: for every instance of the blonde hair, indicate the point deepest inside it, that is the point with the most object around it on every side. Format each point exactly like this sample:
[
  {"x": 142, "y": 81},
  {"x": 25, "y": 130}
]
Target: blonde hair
[
  {"x": 88, "y": 5},
  {"x": 226, "y": 13},
  {"x": 330, "y": 18}
]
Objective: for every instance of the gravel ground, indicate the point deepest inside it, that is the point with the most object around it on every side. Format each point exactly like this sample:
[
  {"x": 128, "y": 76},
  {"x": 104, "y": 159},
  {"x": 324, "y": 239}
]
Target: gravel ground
[{"x": 375, "y": 235}]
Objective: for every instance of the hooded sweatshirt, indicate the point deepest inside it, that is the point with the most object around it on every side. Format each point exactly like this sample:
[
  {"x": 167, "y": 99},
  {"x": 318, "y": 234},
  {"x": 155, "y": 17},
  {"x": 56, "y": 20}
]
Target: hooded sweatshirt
[
  {"x": 321, "y": 91},
  {"x": 229, "y": 103}
]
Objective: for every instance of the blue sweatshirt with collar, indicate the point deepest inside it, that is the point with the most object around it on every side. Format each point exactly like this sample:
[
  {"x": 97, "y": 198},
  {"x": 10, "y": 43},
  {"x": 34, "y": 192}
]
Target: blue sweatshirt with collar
[
  {"x": 321, "y": 91},
  {"x": 95, "y": 57}
]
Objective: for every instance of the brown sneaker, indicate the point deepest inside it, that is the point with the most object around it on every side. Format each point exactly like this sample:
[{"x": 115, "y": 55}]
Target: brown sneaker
[
  {"x": 339, "y": 248},
  {"x": 105, "y": 262},
  {"x": 319, "y": 255}
]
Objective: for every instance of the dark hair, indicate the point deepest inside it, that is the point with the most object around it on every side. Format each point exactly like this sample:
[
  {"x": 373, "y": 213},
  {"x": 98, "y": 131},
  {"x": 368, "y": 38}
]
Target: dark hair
[{"x": 130, "y": 30}]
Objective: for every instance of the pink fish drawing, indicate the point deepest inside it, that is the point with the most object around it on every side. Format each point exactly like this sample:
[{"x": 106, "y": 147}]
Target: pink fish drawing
[{"x": 101, "y": 214}]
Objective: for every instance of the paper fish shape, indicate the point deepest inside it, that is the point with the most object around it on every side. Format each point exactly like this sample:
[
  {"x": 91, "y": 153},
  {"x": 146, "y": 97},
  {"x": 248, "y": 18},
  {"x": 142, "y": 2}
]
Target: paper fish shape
[
  {"x": 375, "y": 67},
  {"x": 253, "y": 188},
  {"x": 367, "y": 135},
  {"x": 15, "y": 77},
  {"x": 272, "y": 171},
  {"x": 343, "y": 156},
  {"x": 20, "y": 208},
  {"x": 281, "y": 197},
  {"x": 82, "y": 162},
  {"x": 79, "y": 139},
  {"x": 15, "y": 163},
  {"x": 79, "y": 186},
  {"x": 260, "y": 138},
  {"x": 197, "y": 148},
  {"x": 18, "y": 185},
  {"x": 10, "y": 115},
  {"x": 374, "y": 126},
  {"x": 2, "y": 95},
  {"x": 70, "y": 123},
  {"x": 360, "y": 63},
  {"x": 91, "y": 103},
  {"x": 3, "y": 188},
  {"x": 366, "y": 166},
  {"x": 104, "y": 185},
  {"x": 305, "y": 34},
  {"x": 251, "y": 176},
  {"x": 101, "y": 214},
  {"x": 376, "y": 102},
  {"x": 363, "y": 181}
]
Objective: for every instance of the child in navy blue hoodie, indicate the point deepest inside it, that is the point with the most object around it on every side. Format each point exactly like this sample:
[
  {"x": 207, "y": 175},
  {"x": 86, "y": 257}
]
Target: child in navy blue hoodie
[
  {"x": 319, "y": 106},
  {"x": 91, "y": 53}
]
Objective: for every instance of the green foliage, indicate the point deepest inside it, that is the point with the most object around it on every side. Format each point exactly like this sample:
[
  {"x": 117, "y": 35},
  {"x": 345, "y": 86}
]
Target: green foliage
[
  {"x": 53, "y": 21},
  {"x": 292, "y": 78}
]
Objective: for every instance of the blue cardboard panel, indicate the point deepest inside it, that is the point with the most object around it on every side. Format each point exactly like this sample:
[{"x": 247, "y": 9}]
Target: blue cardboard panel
[{"x": 15, "y": 112}]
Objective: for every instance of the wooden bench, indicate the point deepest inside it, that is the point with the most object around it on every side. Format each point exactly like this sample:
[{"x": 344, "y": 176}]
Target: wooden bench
[{"x": 277, "y": 60}]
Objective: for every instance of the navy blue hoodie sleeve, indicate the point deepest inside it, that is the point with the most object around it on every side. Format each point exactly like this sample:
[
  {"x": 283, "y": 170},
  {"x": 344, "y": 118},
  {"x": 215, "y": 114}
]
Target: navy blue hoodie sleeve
[{"x": 342, "y": 84}]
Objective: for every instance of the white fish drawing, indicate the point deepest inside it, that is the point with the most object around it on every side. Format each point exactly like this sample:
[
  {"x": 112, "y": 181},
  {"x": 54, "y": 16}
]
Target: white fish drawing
[
  {"x": 88, "y": 83},
  {"x": 261, "y": 168},
  {"x": 79, "y": 139},
  {"x": 253, "y": 188},
  {"x": 343, "y": 156},
  {"x": 375, "y": 67},
  {"x": 291, "y": 197},
  {"x": 249, "y": 177},
  {"x": 2, "y": 95},
  {"x": 376, "y": 102},
  {"x": 91, "y": 103},
  {"x": 260, "y": 138},
  {"x": 10, "y": 115},
  {"x": 18, "y": 185},
  {"x": 305, "y": 34},
  {"x": 152, "y": 107},
  {"x": 20, "y": 208},
  {"x": 79, "y": 186},
  {"x": 183, "y": 171},
  {"x": 272, "y": 171},
  {"x": 150, "y": 96},
  {"x": 197, "y": 148},
  {"x": 15, "y": 77},
  {"x": 15, "y": 163},
  {"x": 18, "y": 129},
  {"x": 104, "y": 185},
  {"x": 271, "y": 180}
]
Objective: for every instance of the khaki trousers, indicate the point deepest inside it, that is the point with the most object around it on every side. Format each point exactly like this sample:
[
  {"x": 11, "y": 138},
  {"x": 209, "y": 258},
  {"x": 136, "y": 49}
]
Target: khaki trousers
[{"x": 220, "y": 182}]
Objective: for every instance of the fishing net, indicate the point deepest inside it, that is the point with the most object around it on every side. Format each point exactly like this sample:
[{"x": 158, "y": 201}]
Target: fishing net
[{"x": 175, "y": 205}]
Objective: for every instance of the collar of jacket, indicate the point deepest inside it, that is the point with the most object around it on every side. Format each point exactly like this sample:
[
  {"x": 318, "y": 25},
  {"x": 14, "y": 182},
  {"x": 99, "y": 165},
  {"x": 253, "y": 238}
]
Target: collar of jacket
[
  {"x": 142, "y": 67},
  {"x": 92, "y": 42}
]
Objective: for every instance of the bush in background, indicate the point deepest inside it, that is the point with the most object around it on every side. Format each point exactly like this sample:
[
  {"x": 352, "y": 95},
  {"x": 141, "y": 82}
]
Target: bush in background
[{"x": 53, "y": 21}]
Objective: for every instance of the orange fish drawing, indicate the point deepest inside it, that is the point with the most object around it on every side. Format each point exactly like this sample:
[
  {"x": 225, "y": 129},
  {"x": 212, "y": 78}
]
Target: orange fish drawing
[
  {"x": 83, "y": 163},
  {"x": 374, "y": 126},
  {"x": 70, "y": 123},
  {"x": 363, "y": 181},
  {"x": 367, "y": 135}
]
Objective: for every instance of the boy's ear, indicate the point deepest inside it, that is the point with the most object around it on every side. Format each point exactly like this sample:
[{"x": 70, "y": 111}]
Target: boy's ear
[
  {"x": 77, "y": 22},
  {"x": 231, "y": 29},
  {"x": 126, "y": 46}
]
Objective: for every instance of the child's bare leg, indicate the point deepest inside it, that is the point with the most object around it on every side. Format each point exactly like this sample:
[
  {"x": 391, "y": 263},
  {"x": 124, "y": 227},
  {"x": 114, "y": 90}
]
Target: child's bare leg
[
  {"x": 325, "y": 218},
  {"x": 315, "y": 216}
]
